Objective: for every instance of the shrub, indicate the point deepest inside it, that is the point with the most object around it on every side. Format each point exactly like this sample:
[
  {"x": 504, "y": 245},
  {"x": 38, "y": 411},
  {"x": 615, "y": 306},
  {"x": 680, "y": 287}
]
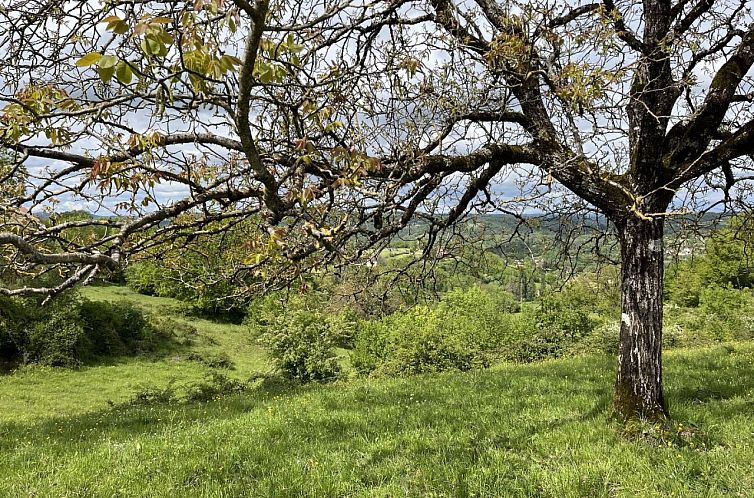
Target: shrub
[
  {"x": 471, "y": 327},
  {"x": 466, "y": 330},
  {"x": 684, "y": 282},
  {"x": 302, "y": 346},
  {"x": 685, "y": 327},
  {"x": 209, "y": 300},
  {"x": 212, "y": 360},
  {"x": 415, "y": 342},
  {"x": 154, "y": 395},
  {"x": 178, "y": 332},
  {"x": 212, "y": 387},
  {"x": 342, "y": 328},
  {"x": 13, "y": 318},
  {"x": 113, "y": 329},
  {"x": 70, "y": 331},
  {"x": 574, "y": 311},
  {"x": 569, "y": 321},
  {"x": 725, "y": 309},
  {"x": 58, "y": 339},
  {"x": 606, "y": 338},
  {"x": 540, "y": 345},
  {"x": 215, "y": 386},
  {"x": 144, "y": 277}
]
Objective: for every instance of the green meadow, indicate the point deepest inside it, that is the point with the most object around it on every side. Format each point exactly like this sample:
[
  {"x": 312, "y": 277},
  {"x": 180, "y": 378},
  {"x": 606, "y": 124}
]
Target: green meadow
[{"x": 132, "y": 427}]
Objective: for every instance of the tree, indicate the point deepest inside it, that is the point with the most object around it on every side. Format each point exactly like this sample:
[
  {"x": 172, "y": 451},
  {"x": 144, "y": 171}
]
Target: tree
[{"x": 338, "y": 122}]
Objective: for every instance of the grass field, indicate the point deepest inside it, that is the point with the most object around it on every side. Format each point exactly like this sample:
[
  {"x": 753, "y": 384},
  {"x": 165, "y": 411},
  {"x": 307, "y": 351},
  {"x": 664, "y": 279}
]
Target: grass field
[
  {"x": 37, "y": 392},
  {"x": 513, "y": 430}
]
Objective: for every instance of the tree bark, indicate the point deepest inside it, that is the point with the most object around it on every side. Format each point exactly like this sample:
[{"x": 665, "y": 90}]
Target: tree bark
[{"x": 638, "y": 388}]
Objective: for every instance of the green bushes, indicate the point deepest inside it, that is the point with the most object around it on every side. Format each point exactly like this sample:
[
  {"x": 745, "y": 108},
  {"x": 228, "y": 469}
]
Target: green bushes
[
  {"x": 574, "y": 312},
  {"x": 468, "y": 329},
  {"x": 213, "y": 387},
  {"x": 723, "y": 314},
  {"x": 144, "y": 278},
  {"x": 12, "y": 333},
  {"x": 212, "y": 300},
  {"x": 566, "y": 322},
  {"x": 302, "y": 346},
  {"x": 71, "y": 331},
  {"x": 51, "y": 335},
  {"x": 725, "y": 309},
  {"x": 684, "y": 282},
  {"x": 416, "y": 341},
  {"x": 473, "y": 327},
  {"x": 113, "y": 329},
  {"x": 301, "y": 333},
  {"x": 56, "y": 338}
]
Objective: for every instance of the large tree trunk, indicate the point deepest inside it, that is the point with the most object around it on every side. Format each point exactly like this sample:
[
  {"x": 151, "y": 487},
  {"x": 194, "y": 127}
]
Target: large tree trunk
[{"x": 638, "y": 389}]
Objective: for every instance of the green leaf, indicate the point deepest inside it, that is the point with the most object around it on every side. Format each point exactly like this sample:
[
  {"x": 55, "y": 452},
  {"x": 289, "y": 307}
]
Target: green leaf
[
  {"x": 119, "y": 27},
  {"x": 124, "y": 73},
  {"x": 197, "y": 82},
  {"x": 106, "y": 73},
  {"x": 166, "y": 38},
  {"x": 107, "y": 61},
  {"x": 229, "y": 63},
  {"x": 152, "y": 46},
  {"x": 235, "y": 60},
  {"x": 292, "y": 46},
  {"x": 266, "y": 74},
  {"x": 89, "y": 59},
  {"x": 226, "y": 65}
]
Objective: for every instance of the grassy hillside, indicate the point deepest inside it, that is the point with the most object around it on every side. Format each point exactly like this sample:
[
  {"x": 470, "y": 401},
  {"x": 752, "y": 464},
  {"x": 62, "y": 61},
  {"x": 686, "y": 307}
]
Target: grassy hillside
[
  {"x": 514, "y": 430},
  {"x": 35, "y": 392}
]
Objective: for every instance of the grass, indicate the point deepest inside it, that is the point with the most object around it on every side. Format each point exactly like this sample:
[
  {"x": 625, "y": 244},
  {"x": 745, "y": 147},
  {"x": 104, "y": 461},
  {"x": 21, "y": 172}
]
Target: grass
[
  {"x": 34, "y": 392},
  {"x": 514, "y": 430}
]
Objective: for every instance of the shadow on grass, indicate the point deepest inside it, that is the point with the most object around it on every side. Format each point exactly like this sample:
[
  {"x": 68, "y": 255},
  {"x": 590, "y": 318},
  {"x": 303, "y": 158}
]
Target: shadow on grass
[
  {"x": 493, "y": 409},
  {"x": 129, "y": 419},
  {"x": 476, "y": 401}
]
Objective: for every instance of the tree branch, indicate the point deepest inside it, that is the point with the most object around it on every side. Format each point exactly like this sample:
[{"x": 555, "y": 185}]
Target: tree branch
[
  {"x": 37, "y": 256},
  {"x": 686, "y": 141}
]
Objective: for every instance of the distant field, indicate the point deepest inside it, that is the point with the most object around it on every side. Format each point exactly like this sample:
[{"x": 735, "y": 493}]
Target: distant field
[{"x": 514, "y": 430}]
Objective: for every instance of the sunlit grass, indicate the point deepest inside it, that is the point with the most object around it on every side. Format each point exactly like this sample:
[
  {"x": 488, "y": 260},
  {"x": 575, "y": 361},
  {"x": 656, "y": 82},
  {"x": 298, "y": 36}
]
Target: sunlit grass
[
  {"x": 514, "y": 430},
  {"x": 34, "y": 392}
]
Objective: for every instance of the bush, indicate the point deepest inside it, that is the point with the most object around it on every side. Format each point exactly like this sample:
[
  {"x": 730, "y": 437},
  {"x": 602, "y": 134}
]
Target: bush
[
  {"x": 113, "y": 329},
  {"x": 414, "y": 342},
  {"x": 207, "y": 300},
  {"x": 570, "y": 321},
  {"x": 13, "y": 318},
  {"x": 725, "y": 309},
  {"x": 57, "y": 339},
  {"x": 723, "y": 314},
  {"x": 178, "y": 332},
  {"x": 70, "y": 331},
  {"x": 684, "y": 282},
  {"x": 145, "y": 278},
  {"x": 214, "y": 387},
  {"x": 466, "y": 330},
  {"x": 342, "y": 328},
  {"x": 540, "y": 345},
  {"x": 575, "y": 311},
  {"x": 302, "y": 346},
  {"x": 212, "y": 360},
  {"x": 154, "y": 395}
]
